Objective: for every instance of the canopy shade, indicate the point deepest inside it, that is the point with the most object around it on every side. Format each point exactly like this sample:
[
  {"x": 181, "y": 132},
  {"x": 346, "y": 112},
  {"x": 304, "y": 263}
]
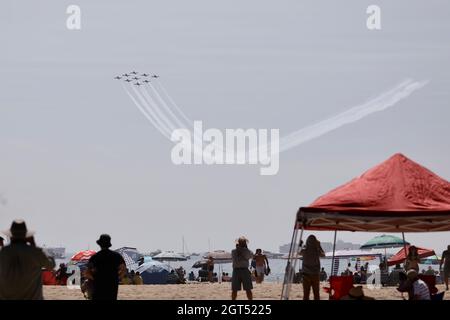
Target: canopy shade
[
  {"x": 384, "y": 241},
  {"x": 400, "y": 256},
  {"x": 397, "y": 195}
]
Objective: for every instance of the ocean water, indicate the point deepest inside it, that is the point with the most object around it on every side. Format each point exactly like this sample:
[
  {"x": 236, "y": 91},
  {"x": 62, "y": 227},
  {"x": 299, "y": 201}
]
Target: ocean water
[{"x": 277, "y": 266}]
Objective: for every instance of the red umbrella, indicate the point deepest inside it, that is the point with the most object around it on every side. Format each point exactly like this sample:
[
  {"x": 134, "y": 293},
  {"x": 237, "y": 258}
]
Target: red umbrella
[
  {"x": 83, "y": 255},
  {"x": 400, "y": 256}
]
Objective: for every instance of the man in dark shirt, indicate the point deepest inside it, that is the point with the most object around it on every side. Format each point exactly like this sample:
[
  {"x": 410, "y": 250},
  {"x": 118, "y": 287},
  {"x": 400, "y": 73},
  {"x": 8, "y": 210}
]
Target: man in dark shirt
[{"x": 105, "y": 268}]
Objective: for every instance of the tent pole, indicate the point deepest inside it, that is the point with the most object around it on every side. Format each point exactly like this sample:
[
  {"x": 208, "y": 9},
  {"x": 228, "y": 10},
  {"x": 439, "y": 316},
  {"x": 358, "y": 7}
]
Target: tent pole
[
  {"x": 293, "y": 255},
  {"x": 332, "y": 259}
]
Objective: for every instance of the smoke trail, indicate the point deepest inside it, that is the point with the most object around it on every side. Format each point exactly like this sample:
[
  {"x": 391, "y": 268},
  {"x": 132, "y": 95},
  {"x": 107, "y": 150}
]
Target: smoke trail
[
  {"x": 148, "y": 115},
  {"x": 154, "y": 110},
  {"x": 380, "y": 103},
  {"x": 158, "y": 119},
  {"x": 171, "y": 101},
  {"x": 165, "y": 107},
  {"x": 150, "y": 102}
]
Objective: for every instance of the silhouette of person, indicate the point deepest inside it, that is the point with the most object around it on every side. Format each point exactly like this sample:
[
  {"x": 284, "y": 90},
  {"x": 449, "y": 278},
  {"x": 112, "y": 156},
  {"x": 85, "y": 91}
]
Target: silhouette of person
[
  {"x": 105, "y": 268},
  {"x": 21, "y": 264}
]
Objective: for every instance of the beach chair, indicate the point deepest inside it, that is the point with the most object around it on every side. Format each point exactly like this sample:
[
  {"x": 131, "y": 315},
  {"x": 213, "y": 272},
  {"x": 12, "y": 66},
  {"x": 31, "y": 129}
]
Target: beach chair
[
  {"x": 48, "y": 278},
  {"x": 339, "y": 286}
]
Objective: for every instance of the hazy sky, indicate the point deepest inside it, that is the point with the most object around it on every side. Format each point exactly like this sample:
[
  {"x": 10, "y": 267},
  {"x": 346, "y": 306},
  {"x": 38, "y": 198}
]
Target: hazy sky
[{"x": 78, "y": 159}]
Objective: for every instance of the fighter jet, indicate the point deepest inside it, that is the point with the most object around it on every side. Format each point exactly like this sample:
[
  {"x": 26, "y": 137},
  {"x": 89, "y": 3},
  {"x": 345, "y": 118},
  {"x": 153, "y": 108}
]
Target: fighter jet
[
  {"x": 136, "y": 78},
  {"x": 137, "y": 84},
  {"x": 125, "y": 75},
  {"x": 128, "y": 80},
  {"x": 155, "y": 76},
  {"x": 133, "y": 72},
  {"x": 145, "y": 74},
  {"x": 146, "y": 81},
  {"x": 118, "y": 78}
]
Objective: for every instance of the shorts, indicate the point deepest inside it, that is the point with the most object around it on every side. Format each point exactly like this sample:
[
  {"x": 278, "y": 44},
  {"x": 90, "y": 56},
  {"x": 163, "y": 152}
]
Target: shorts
[
  {"x": 260, "y": 271},
  {"x": 241, "y": 278},
  {"x": 446, "y": 272}
]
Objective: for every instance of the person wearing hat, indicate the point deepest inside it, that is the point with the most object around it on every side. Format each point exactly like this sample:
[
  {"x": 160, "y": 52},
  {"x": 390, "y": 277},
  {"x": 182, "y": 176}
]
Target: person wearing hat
[
  {"x": 356, "y": 293},
  {"x": 21, "y": 264},
  {"x": 105, "y": 268},
  {"x": 241, "y": 276},
  {"x": 418, "y": 289}
]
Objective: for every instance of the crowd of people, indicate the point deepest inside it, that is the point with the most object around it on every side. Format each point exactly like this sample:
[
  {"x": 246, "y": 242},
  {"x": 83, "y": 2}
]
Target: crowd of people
[{"x": 22, "y": 262}]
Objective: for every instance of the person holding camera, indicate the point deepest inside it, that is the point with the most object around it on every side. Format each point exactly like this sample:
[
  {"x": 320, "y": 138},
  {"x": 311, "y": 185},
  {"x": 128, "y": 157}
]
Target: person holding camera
[
  {"x": 21, "y": 264},
  {"x": 311, "y": 252}
]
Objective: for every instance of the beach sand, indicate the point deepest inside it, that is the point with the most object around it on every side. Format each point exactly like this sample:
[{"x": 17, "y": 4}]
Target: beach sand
[{"x": 211, "y": 291}]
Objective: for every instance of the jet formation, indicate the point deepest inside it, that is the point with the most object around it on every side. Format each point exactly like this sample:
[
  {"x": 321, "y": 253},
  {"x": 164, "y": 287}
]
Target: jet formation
[{"x": 137, "y": 79}]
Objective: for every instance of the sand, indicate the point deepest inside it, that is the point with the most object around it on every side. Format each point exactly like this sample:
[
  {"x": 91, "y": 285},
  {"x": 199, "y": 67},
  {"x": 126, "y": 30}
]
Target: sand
[{"x": 207, "y": 291}]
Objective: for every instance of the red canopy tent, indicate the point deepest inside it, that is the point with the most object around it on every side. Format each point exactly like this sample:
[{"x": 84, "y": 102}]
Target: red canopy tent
[
  {"x": 400, "y": 256},
  {"x": 398, "y": 195}
]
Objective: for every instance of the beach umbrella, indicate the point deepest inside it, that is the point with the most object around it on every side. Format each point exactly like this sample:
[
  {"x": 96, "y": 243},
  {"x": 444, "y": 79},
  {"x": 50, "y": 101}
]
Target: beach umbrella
[
  {"x": 219, "y": 256},
  {"x": 83, "y": 255},
  {"x": 200, "y": 264},
  {"x": 384, "y": 241},
  {"x": 431, "y": 260},
  {"x": 169, "y": 256},
  {"x": 153, "y": 272},
  {"x": 130, "y": 255}
]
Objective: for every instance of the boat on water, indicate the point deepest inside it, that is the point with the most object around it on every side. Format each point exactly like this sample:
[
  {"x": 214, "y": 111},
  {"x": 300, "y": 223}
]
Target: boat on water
[{"x": 55, "y": 252}]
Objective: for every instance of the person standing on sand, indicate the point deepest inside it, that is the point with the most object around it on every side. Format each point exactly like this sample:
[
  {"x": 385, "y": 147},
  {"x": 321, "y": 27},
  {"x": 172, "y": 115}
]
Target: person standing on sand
[
  {"x": 412, "y": 259},
  {"x": 210, "y": 267},
  {"x": 262, "y": 265},
  {"x": 311, "y": 267},
  {"x": 21, "y": 264},
  {"x": 241, "y": 276},
  {"x": 105, "y": 268},
  {"x": 445, "y": 260},
  {"x": 137, "y": 279}
]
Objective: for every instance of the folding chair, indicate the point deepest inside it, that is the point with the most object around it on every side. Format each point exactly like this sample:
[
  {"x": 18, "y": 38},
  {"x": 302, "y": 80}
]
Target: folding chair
[{"x": 339, "y": 286}]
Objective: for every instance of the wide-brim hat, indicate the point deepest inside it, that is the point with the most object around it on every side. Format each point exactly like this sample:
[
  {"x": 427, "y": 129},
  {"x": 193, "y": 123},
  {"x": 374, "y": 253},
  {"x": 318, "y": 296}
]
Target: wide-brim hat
[
  {"x": 356, "y": 292},
  {"x": 241, "y": 239},
  {"x": 104, "y": 241},
  {"x": 18, "y": 230}
]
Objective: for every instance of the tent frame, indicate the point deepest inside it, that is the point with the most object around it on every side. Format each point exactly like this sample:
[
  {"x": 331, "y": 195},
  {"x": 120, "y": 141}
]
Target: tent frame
[{"x": 294, "y": 251}]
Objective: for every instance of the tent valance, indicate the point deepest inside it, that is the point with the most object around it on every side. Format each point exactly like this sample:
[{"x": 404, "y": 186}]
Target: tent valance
[{"x": 397, "y": 195}]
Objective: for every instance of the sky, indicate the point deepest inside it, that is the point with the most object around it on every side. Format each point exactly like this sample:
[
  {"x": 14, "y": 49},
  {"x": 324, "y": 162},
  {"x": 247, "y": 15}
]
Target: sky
[{"x": 78, "y": 159}]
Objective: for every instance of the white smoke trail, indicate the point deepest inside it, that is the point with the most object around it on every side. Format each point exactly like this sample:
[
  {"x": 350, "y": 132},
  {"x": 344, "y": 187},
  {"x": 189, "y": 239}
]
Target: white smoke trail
[
  {"x": 147, "y": 114},
  {"x": 164, "y": 105},
  {"x": 154, "y": 105},
  {"x": 172, "y": 102},
  {"x": 150, "y": 101},
  {"x": 382, "y": 102},
  {"x": 154, "y": 111}
]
